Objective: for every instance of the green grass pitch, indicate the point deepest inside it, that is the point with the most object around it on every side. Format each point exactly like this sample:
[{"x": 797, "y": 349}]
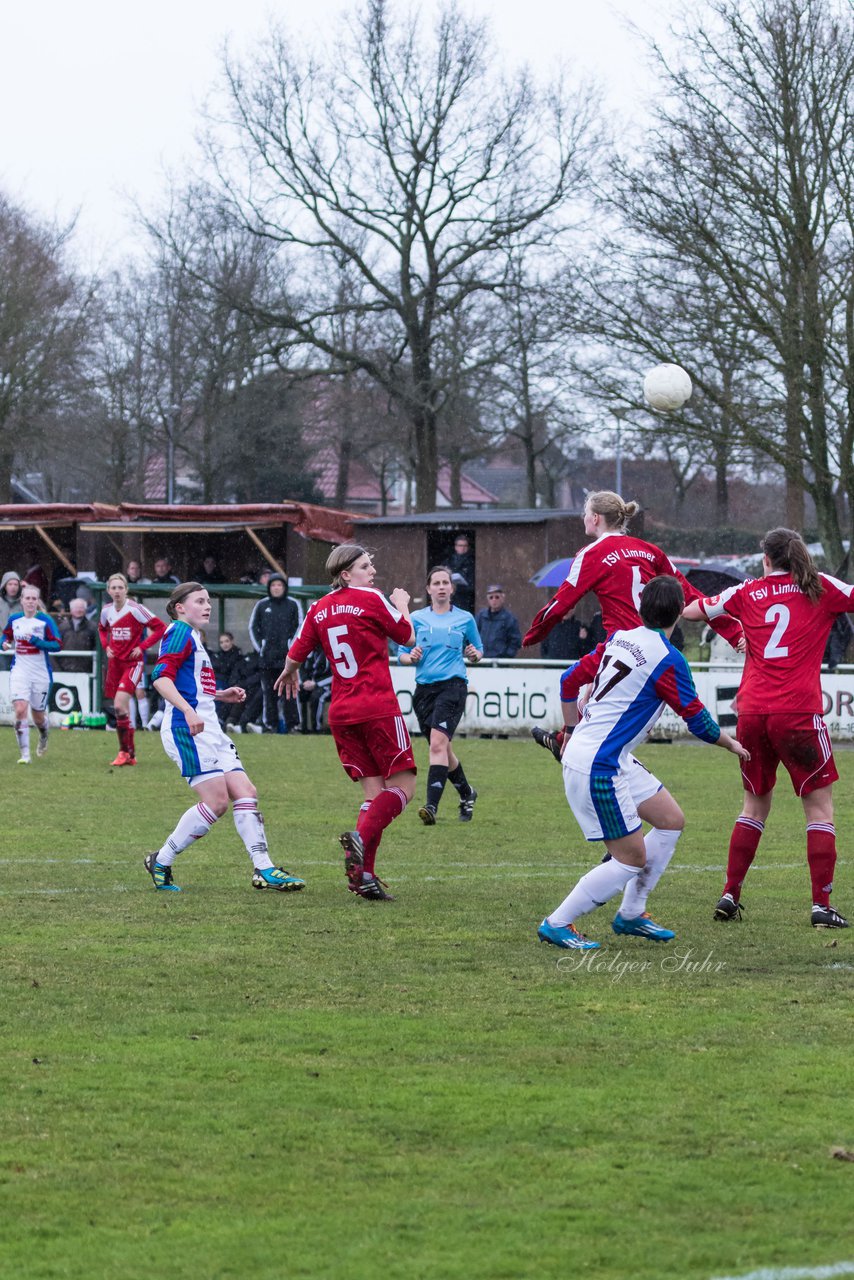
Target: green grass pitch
[{"x": 226, "y": 1083}]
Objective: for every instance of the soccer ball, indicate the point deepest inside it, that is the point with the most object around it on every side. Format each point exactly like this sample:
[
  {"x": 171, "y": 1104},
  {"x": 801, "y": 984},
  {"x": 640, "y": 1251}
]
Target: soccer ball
[{"x": 667, "y": 387}]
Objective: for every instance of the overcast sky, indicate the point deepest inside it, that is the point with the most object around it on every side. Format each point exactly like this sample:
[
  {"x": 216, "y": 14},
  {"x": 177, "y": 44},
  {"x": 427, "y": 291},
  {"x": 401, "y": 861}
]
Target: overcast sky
[{"x": 99, "y": 98}]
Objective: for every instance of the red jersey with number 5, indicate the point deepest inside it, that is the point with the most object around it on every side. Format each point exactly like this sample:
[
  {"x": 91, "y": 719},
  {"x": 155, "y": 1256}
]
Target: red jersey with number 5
[
  {"x": 353, "y": 625},
  {"x": 617, "y": 567},
  {"x": 786, "y": 634}
]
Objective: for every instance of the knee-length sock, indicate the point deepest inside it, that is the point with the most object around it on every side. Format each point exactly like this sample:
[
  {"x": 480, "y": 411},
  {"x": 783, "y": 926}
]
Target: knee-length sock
[
  {"x": 374, "y": 817},
  {"x": 743, "y": 844},
  {"x": 193, "y": 825},
  {"x": 594, "y": 890},
  {"x": 250, "y": 827},
  {"x": 660, "y": 847},
  {"x": 821, "y": 856}
]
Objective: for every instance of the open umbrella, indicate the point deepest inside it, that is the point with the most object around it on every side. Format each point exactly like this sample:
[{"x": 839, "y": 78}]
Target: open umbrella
[
  {"x": 711, "y": 577},
  {"x": 553, "y": 573}
]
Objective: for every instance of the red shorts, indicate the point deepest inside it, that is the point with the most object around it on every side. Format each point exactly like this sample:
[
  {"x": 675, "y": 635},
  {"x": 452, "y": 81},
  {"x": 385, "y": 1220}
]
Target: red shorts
[
  {"x": 800, "y": 743},
  {"x": 374, "y": 748},
  {"x": 122, "y": 676}
]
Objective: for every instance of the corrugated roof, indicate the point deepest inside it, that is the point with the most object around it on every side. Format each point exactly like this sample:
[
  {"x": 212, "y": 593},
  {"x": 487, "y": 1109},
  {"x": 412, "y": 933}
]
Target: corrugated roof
[{"x": 469, "y": 516}]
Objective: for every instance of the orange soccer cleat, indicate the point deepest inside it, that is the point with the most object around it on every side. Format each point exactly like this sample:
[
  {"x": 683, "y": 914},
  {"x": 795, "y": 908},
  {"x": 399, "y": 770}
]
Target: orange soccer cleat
[{"x": 122, "y": 759}]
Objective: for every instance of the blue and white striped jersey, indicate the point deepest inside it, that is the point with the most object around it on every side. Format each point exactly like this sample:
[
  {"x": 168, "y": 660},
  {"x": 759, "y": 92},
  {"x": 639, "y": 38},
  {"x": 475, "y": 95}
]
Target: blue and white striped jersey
[{"x": 639, "y": 672}]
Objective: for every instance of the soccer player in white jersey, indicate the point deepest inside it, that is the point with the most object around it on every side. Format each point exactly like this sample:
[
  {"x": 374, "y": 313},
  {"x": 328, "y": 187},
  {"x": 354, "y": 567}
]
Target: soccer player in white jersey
[
  {"x": 33, "y": 636},
  {"x": 609, "y": 791},
  {"x": 193, "y": 738}
]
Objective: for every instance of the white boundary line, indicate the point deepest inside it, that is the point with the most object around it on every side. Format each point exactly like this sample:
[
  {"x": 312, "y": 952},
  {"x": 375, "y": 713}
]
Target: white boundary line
[{"x": 797, "y": 1273}]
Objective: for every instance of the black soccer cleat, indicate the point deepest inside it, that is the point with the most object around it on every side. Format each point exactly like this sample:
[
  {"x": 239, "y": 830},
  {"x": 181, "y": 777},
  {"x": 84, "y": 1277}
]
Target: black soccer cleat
[
  {"x": 467, "y": 806},
  {"x": 728, "y": 908},
  {"x": 552, "y": 742},
  {"x": 371, "y": 888},
  {"x": 427, "y": 814},
  {"x": 354, "y": 857},
  {"x": 827, "y": 918}
]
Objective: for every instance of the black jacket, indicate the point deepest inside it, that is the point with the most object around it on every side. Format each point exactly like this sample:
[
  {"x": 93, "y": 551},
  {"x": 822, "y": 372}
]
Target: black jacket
[
  {"x": 273, "y": 625},
  {"x": 499, "y": 632},
  {"x": 226, "y": 666}
]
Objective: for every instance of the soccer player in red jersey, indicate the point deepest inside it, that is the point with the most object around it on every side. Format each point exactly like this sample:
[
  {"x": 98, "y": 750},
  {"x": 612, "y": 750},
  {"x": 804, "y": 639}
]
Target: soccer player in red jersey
[
  {"x": 616, "y": 567},
  {"x": 787, "y": 616},
  {"x": 122, "y": 628},
  {"x": 353, "y": 625}
]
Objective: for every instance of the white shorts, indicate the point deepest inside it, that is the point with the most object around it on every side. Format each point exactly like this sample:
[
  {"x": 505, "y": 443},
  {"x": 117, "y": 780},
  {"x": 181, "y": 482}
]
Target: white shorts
[
  {"x": 605, "y": 805},
  {"x": 208, "y": 754},
  {"x": 25, "y": 686}
]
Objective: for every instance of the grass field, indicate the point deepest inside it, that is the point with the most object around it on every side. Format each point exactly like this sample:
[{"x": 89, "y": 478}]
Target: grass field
[{"x": 229, "y": 1084}]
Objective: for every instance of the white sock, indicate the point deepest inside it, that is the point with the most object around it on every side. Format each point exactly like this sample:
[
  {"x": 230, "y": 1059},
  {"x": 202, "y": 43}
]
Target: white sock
[
  {"x": 132, "y": 714},
  {"x": 142, "y": 711},
  {"x": 594, "y": 890},
  {"x": 250, "y": 828},
  {"x": 22, "y": 733},
  {"x": 194, "y": 824},
  {"x": 660, "y": 847}
]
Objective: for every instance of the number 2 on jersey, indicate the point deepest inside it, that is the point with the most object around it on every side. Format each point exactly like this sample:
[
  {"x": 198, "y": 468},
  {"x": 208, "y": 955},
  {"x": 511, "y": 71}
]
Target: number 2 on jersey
[
  {"x": 343, "y": 657},
  {"x": 779, "y": 614}
]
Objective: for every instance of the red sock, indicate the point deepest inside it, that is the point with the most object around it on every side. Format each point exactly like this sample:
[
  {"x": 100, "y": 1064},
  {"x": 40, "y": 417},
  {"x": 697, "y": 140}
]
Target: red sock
[
  {"x": 821, "y": 856},
  {"x": 123, "y": 729},
  {"x": 129, "y": 738},
  {"x": 373, "y": 820},
  {"x": 743, "y": 844}
]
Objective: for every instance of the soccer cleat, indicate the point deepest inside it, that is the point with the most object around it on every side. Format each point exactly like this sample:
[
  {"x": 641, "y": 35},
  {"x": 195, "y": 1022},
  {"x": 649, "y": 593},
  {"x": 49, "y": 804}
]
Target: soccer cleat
[
  {"x": 162, "y": 876},
  {"x": 551, "y": 741},
  {"x": 728, "y": 908},
  {"x": 827, "y": 918},
  {"x": 372, "y": 888},
  {"x": 642, "y": 927},
  {"x": 427, "y": 814},
  {"x": 354, "y": 857},
  {"x": 276, "y": 878},
  {"x": 24, "y": 760},
  {"x": 467, "y": 806},
  {"x": 42, "y": 747},
  {"x": 121, "y": 759},
  {"x": 566, "y": 936}
]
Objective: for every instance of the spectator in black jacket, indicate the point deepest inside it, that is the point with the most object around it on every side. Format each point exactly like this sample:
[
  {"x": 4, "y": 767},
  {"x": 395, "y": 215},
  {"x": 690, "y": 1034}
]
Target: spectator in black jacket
[
  {"x": 498, "y": 627},
  {"x": 568, "y": 641},
  {"x": 315, "y": 684},
  {"x": 273, "y": 625},
  {"x": 226, "y": 664},
  {"x": 245, "y": 717}
]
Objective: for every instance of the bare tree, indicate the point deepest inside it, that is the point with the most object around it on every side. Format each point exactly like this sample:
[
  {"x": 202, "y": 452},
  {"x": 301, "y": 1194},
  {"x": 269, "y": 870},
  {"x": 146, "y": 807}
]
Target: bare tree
[
  {"x": 415, "y": 163},
  {"x": 742, "y": 197},
  {"x": 44, "y": 308}
]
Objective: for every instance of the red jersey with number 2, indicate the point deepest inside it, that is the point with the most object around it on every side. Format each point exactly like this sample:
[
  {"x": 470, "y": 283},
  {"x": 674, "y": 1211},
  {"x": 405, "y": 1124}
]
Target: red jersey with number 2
[
  {"x": 353, "y": 625},
  {"x": 786, "y": 634}
]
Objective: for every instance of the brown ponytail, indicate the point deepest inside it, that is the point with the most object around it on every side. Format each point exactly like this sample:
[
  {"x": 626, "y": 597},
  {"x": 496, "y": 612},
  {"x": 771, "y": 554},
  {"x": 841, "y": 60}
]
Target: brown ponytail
[
  {"x": 179, "y": 595},
  {"x": 787, "y": 550},
  {"x": 612, "y": 508}
]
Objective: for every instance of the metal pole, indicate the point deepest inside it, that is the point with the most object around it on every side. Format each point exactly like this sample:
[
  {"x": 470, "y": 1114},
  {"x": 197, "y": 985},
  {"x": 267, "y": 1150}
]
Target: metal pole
[
  {"x": 619, "y": 476},
  {"x": 170, "y": 459}
]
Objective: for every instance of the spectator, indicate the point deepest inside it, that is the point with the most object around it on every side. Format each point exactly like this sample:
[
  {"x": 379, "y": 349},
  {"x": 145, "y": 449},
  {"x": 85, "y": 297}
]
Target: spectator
[
  {"x": 225, "y": 662},
  {"x": 273, "y": 625},
  {"x": 10, "y": 602},
  {"x": 84, "y": 593},
  {"x": 246, "y": 717},
  {"x": 461, "y": 564},
  {"x": 498, "y": 627},
  {"x": 264, "y": 576},
  {"x": 163, "y": 571},
  {"x": 838, "y": 641},
  {"x": 133, "y": 573},
  {"x": 315, "y": 686},
  {"x": 596, "y": 633},
  {"x": 567, "y": 641},
  {"x": 76, "y": 631},
  {"x": 209, "y": 571},
  {"x": 36, "y": 577}
]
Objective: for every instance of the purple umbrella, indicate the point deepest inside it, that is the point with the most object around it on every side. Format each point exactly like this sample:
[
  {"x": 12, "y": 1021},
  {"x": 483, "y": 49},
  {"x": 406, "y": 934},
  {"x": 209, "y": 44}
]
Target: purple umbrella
[{"x": 553, "y": 573}]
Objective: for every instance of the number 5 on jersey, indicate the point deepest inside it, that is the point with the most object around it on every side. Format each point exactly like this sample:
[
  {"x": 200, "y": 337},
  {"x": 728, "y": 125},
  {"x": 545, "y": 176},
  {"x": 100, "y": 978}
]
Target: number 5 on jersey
[{"x": 343, "y": 657}]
